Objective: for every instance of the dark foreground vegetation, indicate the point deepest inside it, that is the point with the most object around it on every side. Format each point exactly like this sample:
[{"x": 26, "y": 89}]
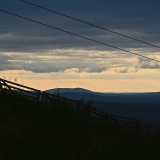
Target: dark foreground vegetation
[{"x": 32, "y": 131}]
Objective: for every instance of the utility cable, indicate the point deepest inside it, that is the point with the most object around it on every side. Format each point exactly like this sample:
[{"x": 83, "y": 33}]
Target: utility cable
[
  {"x": 77, "y": 35},
  {"x": 76, "y": 19}
]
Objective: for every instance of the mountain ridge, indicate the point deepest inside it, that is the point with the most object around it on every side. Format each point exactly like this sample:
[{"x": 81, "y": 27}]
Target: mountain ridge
[{"x": 79, "y": 93}]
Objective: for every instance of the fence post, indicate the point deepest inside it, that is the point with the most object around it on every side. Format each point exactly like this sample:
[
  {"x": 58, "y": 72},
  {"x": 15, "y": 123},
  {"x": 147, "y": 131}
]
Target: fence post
[
  {"x": 1, "y": 88},
  {"x": 43, "y": 97},
  {"x": 137, "y": 126},
  {"x": 38, "y": 96}
]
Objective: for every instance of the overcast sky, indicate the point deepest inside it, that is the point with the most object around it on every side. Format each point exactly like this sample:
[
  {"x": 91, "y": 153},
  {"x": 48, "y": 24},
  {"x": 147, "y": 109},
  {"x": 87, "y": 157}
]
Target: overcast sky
[{"x": 35, "y": 54}]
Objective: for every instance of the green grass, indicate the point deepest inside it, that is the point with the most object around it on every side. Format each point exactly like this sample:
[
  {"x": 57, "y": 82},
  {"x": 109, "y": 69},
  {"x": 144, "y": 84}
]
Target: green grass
[{"x": 31, "y": 131}]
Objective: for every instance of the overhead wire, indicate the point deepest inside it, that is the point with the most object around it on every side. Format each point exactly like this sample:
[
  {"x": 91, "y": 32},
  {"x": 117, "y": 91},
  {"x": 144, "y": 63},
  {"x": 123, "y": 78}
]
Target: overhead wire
[
  {"x": 71, "y": 33},
  {"x": 76, "y": 19}
]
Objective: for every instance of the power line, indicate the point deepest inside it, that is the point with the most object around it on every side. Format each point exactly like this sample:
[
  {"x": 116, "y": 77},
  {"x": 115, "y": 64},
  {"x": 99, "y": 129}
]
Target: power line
[
  {"x": 76, "y": 19},
  {"x": 77, "y": 35}
]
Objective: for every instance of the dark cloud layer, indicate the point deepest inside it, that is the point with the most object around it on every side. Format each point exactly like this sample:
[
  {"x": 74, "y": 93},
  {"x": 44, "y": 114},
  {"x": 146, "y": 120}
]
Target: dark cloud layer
[{"x": 138, "y": 19}]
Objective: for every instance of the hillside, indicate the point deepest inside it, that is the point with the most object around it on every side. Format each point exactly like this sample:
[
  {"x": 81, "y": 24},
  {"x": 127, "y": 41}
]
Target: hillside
[
  {"x": 144, "y": 106},
  {"x": 33, "y": 131}
]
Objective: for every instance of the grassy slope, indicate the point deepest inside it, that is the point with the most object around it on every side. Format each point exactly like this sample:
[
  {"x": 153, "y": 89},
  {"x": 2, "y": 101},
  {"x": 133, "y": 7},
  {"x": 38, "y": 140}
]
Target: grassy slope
[{"x": 31, "y": 131}]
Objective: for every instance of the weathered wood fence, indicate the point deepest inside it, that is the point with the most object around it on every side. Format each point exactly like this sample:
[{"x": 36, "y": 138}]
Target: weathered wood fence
[{"x": 131, "y": 124}]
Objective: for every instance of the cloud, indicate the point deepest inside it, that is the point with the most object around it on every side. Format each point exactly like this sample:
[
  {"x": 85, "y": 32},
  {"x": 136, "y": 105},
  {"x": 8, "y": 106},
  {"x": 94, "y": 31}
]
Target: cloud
[
  {"x": 58, "y": 61},
  {"x": 126, "y": 70},
  {"x": 89, "y": 61},
  {"x": 93, "y": 69},
  {"x": 147, "y": 64}
]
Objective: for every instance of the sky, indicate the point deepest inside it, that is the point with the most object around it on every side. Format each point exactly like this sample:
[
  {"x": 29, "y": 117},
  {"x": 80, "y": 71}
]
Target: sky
[{"x": 45, "y": 58}]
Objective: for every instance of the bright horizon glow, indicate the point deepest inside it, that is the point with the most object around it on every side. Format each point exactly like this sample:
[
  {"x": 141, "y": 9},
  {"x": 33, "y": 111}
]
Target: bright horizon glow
[{"x": 108, "y": 81}]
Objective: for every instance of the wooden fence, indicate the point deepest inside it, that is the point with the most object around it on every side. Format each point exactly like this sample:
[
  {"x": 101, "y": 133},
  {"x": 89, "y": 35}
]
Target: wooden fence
[
  {"x": 131, "y": 124},
  {"x": 25, "y": 91}
]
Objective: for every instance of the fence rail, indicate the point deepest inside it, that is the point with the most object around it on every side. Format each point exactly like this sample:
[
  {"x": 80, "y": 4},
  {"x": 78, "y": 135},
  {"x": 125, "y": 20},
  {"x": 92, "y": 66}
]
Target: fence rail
[{"x": 136, "y": 125}]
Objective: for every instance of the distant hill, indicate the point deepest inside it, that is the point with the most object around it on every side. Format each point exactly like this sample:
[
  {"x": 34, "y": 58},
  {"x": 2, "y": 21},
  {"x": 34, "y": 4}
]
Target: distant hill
[
  {"x": 79, "y": 93},
  {"x": 63, "y": 90}
]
